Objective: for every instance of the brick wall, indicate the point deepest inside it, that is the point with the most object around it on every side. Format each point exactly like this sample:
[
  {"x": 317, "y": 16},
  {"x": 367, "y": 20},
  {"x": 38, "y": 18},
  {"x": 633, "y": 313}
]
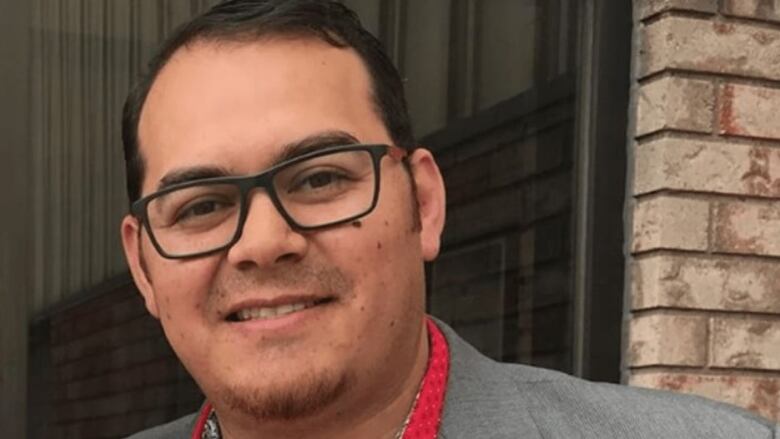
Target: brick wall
[
  {"x": 706, "y": 217},
  {"x": 103, "y": 369}
]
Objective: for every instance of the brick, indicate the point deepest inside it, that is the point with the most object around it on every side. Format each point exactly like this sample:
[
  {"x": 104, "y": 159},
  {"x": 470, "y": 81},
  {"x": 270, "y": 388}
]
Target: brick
[
  {"x": 758, "y": 394},
  {"x": 75, "y": 431},
  {"x": 746, "y": 227},
  {"x": 759, "y": 9},
  {"x": 88, "y": 388},
  {"x": 469, "y": 220},
  {"x": 749, "y": 342},
  {"x": 141, "y": 328},
  {"x": 670, "y": 223},
  {"x": 75, "y": 410},
  {"x": 749, "y": 111},
  {"x": 675, "y": 103},
  {"x": 124, "y": 380},
  {"x": 90, "y": 345},
  {"x": 93, "y": 309},
  {"x": 128, "y": 309},
  {"x": 155, "y": 417},
  {"x": 114, "y": 426},
  {"x": 160, "y": 371},
  {"x": 668, "y": 340},
  {"x": 109, "y": 427},
  {"x": 88, "y": 324},
  {"x": 690, "y": 282},
  {"x": 55, "y": 431},
  {"x": 157, "y": 397},
  {"x": 62, "y": 331},
  {"x": 468, "y": 178},
  {"x": 516, "y": 161},
  {"x": 468, "y": 282},
  {"x": 685, "y": 43},
  {"x": 113, "y": 404},
  {"x": 81, "y": 369},
  {"x": 646, "y": 8},
  {"x": 64, "y": 412},
  {"x": 58, "y": 354},
  {"x": 133, "y": 422},
  {"x": 707, "y": 166}
]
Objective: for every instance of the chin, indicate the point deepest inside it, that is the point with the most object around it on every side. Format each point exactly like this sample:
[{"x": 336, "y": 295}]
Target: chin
[{"x": 295, "y": 399}]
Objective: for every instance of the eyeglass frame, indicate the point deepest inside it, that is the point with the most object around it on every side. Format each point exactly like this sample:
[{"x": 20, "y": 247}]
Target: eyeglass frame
[{"x": 264, "y": 180}]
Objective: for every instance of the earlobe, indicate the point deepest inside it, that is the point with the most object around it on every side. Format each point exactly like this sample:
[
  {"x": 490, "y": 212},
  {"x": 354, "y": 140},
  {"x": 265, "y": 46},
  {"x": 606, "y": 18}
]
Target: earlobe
[
  {"x": 131, "y": 242},
  {"x": 431, "y": 201}
]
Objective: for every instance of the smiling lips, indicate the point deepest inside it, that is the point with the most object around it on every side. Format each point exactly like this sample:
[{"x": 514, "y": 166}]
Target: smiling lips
[{"x": 271, "y": 310}]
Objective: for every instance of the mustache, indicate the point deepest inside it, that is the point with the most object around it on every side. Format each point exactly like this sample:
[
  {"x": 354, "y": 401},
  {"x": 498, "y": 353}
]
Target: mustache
[{"x": 314, "y": 278}]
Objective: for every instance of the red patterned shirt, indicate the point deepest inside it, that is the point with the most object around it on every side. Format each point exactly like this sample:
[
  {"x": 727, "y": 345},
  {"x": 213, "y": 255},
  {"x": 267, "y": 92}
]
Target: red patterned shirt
[{"x": 425, "y": 418}]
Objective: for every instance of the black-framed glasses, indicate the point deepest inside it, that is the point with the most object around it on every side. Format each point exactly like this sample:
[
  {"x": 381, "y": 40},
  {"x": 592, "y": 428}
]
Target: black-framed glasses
[{"x": 316, "y": 190}]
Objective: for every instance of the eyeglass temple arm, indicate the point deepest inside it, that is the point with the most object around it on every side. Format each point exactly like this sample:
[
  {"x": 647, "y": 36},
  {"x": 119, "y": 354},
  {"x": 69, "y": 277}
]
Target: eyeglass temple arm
[{"x": 396, "y": 152}]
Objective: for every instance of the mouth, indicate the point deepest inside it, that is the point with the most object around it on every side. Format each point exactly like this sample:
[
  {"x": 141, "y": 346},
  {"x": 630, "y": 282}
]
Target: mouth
[{"x": 275, "y": 309}]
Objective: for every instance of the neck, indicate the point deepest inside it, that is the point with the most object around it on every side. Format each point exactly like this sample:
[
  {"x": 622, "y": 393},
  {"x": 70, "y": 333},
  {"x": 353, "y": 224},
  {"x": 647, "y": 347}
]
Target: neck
[{"x": 357, "y": 415}]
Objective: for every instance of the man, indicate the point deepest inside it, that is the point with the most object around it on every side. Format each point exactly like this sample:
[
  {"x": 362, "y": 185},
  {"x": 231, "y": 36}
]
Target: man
[{"x": 281, "y": 216}]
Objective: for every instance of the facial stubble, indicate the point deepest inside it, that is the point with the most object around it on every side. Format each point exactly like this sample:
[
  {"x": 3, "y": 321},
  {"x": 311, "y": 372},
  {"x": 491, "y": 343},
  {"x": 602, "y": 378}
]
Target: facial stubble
[{"x": 312, "y": 390}]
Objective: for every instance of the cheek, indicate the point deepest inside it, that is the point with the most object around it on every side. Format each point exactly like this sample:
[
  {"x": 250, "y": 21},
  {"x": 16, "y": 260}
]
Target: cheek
[
  {"x": 182, "y": 290},
  {"x": 181, "y": 287},
  {"x": 384, "y": 258}
]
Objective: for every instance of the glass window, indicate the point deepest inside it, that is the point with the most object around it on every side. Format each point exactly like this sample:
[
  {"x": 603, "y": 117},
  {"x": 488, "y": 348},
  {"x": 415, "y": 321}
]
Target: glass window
[{"x": 491, "y": 90}]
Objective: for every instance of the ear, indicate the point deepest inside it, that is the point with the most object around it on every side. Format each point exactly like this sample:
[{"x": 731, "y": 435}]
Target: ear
[
  {"x": 131, "y": 241},
  {"x": 431, "y": 201}
]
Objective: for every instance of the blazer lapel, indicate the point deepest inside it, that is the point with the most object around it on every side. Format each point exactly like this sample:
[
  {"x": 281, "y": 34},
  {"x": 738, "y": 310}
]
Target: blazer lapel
[{"x": 482, "y": 396}]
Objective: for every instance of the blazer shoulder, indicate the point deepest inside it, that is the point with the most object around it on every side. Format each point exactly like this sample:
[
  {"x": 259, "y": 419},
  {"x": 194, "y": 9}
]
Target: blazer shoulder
[
  {"x": 489, "y": 399},
  {"x": 622, "y": 411},
  {"x": 180, "y": 428}
]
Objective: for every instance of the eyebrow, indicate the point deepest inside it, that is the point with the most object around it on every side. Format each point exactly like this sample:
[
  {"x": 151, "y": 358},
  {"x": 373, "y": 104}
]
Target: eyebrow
[
  {"x": 179, "y": 176},
  {"x": 315, "y": 142}
]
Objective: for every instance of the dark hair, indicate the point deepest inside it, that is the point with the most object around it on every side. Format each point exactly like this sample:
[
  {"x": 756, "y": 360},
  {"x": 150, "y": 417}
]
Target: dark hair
[{"x": 251, "y": 20}]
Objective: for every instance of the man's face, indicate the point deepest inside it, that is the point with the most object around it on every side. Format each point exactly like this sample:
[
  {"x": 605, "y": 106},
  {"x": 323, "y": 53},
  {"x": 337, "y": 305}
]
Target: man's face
[{"x": 234, "y": 107}]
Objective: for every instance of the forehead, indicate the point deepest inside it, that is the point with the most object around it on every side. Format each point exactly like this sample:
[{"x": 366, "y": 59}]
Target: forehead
[{"x": 234, "y": 105}]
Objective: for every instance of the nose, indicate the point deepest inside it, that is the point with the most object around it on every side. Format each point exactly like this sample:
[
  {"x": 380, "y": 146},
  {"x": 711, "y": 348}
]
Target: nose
[{"x": 267, "y": 238}]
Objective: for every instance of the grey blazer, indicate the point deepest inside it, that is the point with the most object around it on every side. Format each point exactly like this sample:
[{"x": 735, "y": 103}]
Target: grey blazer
[{"x": 491, "y": 400}]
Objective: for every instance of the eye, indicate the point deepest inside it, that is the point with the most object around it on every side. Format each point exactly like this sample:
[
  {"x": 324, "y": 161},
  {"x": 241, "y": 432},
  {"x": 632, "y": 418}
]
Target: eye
[
  {"x": 319, "y": 180},
  {"x": 201, "y": 209},
  {"x": 322, "y": 179}
]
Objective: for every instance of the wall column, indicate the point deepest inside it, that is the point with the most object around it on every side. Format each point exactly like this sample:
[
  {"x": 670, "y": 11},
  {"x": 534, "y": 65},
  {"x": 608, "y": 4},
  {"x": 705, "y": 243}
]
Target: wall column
[{"x": 705, "y": 308}]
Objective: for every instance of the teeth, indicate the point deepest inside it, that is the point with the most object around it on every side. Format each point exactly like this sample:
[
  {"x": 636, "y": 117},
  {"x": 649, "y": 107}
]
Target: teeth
[
  {"x": 285, "y": 309},
  {"x": 267, "y": 313}
]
